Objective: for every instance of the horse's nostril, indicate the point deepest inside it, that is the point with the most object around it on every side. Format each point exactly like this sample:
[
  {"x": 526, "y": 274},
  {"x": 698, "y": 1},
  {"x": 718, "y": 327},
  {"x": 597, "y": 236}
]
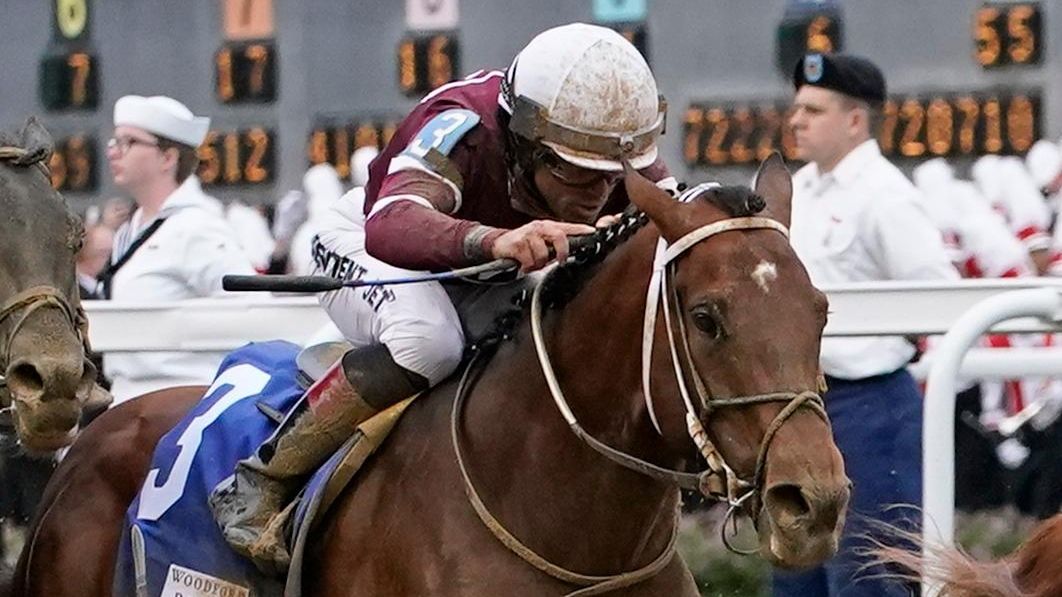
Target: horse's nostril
[
  {"x": 787, "y": 504},
  {"x": 25, "y": 380}
]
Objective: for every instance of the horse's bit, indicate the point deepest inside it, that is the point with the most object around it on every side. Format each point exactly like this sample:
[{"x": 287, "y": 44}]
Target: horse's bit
[{"x": 718, "y": 481}]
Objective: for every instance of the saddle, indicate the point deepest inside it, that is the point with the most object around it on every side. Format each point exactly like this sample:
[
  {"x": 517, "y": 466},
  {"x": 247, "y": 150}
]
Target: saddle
[{"x": 170, "y": 544}]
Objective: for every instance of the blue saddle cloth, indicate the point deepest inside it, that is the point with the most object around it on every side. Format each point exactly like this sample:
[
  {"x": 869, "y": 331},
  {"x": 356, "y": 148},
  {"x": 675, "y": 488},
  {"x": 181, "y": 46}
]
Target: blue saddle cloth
[{"x": 170, "y": 544}]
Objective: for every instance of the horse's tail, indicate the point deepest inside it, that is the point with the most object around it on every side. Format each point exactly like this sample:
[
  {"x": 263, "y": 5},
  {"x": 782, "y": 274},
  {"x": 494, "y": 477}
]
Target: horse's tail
[
  {"x": 957, "y": 573},
  {"x": 1031, "y": 571}
]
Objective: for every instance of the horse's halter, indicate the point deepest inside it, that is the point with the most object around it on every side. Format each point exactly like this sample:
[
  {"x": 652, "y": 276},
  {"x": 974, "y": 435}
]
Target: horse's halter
[
  {"x": 718, "y": 481},
  {"x": 28, "y": 301}
]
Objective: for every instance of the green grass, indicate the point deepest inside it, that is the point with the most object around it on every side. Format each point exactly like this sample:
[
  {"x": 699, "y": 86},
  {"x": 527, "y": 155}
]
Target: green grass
[{"x": 720, "y": 573}]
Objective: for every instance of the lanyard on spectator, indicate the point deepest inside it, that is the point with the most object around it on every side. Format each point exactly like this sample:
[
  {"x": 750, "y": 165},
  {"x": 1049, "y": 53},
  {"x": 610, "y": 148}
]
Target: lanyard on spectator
[{"x": 107, "y": 275}]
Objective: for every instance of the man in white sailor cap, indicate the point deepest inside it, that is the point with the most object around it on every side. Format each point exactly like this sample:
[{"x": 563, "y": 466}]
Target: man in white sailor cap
[{"x": 176, "y": 246}]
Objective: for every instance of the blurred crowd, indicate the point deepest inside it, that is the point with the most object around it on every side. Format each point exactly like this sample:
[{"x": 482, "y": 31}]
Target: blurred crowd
[{"x": 999, "y": 220}]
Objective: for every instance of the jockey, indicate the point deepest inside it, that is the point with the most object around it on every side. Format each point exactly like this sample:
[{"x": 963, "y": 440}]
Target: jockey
[{"x": 498, "y": 165}]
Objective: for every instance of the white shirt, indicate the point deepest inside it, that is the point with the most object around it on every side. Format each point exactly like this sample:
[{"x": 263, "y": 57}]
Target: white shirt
[
  {"x": 185, "y": 258},
  {"x": 861, "y": 222}
]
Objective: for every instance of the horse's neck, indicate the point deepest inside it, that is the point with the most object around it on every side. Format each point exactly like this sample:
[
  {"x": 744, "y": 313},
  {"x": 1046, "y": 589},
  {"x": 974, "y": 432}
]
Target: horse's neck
[{"x": 538, "y": 477}]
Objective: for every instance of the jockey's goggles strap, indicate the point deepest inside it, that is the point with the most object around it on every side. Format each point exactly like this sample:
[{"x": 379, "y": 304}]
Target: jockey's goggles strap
[{"x": 530, "y": 121}]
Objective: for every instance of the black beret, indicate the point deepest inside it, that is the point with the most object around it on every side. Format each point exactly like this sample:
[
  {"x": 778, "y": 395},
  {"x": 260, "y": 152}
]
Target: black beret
[{"x": 853, "y": 76}]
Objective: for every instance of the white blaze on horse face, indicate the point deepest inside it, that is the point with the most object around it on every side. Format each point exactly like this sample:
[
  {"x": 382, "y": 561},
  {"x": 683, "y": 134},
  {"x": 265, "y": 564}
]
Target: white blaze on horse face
[{"x": 764, "y": 274}]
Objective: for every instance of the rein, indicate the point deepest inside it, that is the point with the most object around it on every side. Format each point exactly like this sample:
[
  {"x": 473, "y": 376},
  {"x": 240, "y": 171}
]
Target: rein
[{"x": 718, "y": 481}]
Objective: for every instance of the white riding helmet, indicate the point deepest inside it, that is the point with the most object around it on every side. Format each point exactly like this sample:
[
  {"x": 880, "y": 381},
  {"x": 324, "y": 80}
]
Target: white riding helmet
[{"x": 586, "y": 93}]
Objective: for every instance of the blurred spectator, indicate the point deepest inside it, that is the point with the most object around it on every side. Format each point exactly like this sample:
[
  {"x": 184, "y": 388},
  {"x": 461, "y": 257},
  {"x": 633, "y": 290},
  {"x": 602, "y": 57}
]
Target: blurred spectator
[
  {"x": 92, "y": 259},
  {"x": 1044, "y": 162},
  {"x": 252, "y": 232},
  {"x": 288, "y": 214},
  {"x": 1010, "y": 191},
  {"x": 856, "y": 218},
  {"x": 176, "y": 246},
  {"x": 359, "y": 164},
  {"x": 323, "y": 188}
]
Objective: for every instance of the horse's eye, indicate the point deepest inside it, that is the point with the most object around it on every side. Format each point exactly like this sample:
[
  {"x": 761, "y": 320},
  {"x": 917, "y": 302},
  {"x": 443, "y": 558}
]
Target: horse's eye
[{"x": 707, "y": 321}]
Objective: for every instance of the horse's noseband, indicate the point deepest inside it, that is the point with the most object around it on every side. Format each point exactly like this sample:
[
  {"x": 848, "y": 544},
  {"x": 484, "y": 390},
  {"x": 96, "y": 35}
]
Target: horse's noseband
[{"x": 28, "y": 301}]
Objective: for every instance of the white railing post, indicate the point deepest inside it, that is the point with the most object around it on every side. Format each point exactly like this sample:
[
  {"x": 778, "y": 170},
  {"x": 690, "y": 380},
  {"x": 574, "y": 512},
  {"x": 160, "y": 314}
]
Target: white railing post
[{"x": 938, "y": 439}]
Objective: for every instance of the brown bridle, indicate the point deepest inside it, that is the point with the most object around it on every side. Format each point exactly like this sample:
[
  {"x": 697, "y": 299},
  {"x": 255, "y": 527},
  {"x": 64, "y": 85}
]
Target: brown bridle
[
  {"x": 718, "y": 481},
  {"x": 29, "y": 301}
]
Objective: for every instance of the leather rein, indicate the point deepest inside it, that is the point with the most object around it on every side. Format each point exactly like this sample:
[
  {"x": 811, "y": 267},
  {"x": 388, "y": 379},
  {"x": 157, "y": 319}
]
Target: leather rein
[{"x": 718, "y": 481}]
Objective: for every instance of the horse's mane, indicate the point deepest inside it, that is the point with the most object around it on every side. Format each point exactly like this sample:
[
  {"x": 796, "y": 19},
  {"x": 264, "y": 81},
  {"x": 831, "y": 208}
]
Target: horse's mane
[{"x": 564, "y": 284}]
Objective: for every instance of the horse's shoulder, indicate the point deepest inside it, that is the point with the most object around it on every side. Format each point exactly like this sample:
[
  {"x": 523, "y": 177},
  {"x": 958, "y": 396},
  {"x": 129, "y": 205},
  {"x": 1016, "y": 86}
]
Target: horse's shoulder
[{"x": 117, "y": 447}]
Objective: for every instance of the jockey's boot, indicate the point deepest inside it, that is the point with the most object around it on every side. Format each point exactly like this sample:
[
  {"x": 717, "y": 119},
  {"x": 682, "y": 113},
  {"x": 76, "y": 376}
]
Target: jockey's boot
[{"x": 248, "y": 505}]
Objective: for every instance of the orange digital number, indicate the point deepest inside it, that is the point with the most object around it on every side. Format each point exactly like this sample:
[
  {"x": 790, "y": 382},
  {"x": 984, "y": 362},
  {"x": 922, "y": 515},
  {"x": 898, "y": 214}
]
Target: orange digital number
[
  {"x": 719, "y": 125},
  {"x": 79, "y": 168},
  {"x": 770, "y": 127},
  {"x": 57, "y": 167},
  {"x": 988, "y": 45},
  {"x": 317, "y": 149},
  {"x": 1022, "y": 44},
  {"x": 440, "y": 68},
  {"x": 971, "y": 111},
  {"x": 226, "y": 89},
  {"x": 1021, "y": 123},
  {"x": 259, "y": 57},
  {"x": 889, "y": 120},
  {"x": 230, "y": 144},
  {"x": 940, "y": 126},
  {"x": 407, "y": 65},
  {"x": 993, "y": 114},
  {"x": 744, "y": 126},
  {"x": 914, "y": 116},
  {"x": 818, "y": 39},
  {"x": 81, "y": 64},
  {"x": 254, "y": 171},
  {"x": 209, "y": 159},
  {"x": 789, "y": 144},
  {"x": 366, "y": 135},
  {"x": 341, "y": 144},
  {"x": 691, "y": 146}
]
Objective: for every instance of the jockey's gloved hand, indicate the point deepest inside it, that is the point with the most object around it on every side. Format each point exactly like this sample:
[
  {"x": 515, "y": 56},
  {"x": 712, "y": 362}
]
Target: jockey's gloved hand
[{"x": 535, "y": 244}]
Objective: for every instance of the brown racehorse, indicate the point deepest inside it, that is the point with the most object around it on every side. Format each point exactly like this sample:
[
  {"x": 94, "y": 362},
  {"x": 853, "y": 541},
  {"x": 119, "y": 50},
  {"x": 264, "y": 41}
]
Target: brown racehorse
[
  {"x": 45, "y": 374},
  {"x": 745, "y": 323},
  {"x": 1033, "y": 570}
]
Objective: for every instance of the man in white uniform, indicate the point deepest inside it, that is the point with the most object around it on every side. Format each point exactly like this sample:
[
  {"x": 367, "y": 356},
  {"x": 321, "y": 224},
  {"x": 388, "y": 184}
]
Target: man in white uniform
[
  {"x": 857, "y": 218},
  {"x": 176, "y": 246}
]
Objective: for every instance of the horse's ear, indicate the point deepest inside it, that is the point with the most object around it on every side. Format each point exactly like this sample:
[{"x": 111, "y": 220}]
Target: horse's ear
[
  {"x": 774, "y": 184},
  {"x": 651, "y": 199},
  {"x": 36, "y": 141}
]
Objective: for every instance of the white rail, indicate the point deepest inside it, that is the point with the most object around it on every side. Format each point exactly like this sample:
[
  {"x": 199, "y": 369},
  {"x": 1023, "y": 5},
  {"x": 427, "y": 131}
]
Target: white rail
[
  {"x": 938, "y": 441},
  {"x": 869, "y": 309}
]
